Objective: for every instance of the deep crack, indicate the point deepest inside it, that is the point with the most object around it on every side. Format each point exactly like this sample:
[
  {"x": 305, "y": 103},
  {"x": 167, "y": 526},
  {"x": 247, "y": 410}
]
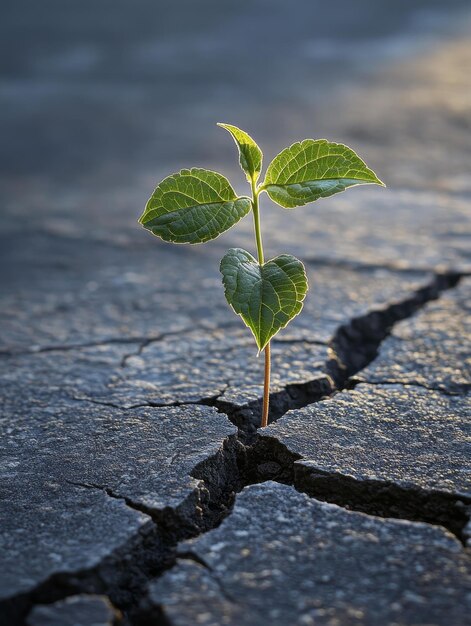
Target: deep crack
[
  {"x": 352, "y": 348},
  {"x": 124, "y": 574},
  {"x": 356, "y": 344},
  {"x": 269, "y": 459},
  {"x": 248, "y": 459}
]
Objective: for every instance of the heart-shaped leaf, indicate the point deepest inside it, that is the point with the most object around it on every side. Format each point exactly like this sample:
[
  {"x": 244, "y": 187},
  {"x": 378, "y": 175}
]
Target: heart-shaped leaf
[
  {"x": 313, "y": 169},
  {"x": 265, "y": 296},
  {"x": 193, "y": 206},
  {"x": 250, "y": 155}
]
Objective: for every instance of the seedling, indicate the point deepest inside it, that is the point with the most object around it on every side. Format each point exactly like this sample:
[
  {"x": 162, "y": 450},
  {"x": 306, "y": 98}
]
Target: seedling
[{"x": 197, "y": 205}]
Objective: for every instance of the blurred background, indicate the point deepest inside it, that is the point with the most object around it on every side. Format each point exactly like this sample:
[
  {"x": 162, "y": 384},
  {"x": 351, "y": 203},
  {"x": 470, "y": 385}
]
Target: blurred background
[
  {"x": 113, "y": 85},
  {"x": 100, "y": 99}
]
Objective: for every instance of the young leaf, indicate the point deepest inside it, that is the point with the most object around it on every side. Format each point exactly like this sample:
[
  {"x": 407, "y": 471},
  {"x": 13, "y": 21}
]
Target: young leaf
[
  {"x": 193, "y": 206},
  {"x": 250, "y": 155},
  {"x": 313, "y": 169},
  {"x": 265, "y": 296}
]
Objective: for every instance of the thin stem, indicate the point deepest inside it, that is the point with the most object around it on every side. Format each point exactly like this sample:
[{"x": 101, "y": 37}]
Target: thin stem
[
  {"x": 256, "y": 220},
  {"x": 261, "y": 260},
  {"x": 266, "y": 386}
]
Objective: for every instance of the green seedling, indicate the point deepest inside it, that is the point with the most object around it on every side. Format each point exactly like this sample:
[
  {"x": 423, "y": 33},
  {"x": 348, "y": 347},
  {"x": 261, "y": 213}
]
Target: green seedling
[{"x": 197, "y": 205}]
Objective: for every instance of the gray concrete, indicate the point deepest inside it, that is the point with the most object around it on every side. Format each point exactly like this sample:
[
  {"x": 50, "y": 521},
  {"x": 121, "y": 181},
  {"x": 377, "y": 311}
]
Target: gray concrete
[
  {"x": 101, "y": 324},
  {"x": 58, "y": 463},
  {"x": 126, "y": 367},
  {"x": 430, "y": 349},
  {"x": 408, "y": 436},
  {"x": 66, "y": 292},
  {"x": 282, "y": 558}
]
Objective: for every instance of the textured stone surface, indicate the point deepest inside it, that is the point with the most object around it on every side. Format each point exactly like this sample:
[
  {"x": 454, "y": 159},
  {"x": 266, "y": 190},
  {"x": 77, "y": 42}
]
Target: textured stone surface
[
  {"x": 51, "y": 524},
  {"x": 343, "y": 291},
  {"x": 73, "y": 292},
  {"x": 93, "y": 307},
  {"x": 183, "y": 368},
  {"x": 409, "y": 436},
  {"x": 188, "y": 366},
  {"x": 282, "y": 558},
  {"x": 79, "y": 610},
  {"x": 431, "y": 348},
  {"x": 49, "y": 527},
  {"x": 408, "y": 229},
  {"x": 203, "y": 365}
]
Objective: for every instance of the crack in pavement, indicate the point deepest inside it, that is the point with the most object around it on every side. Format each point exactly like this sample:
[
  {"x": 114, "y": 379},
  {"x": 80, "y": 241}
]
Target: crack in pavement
[
  {"x": 206, "y": 401},
  {"x": 112, "y": 494},
  {"x": 463, "y": 391},
  {"x": 191, "y": 556},
  {"x": 377, "y": 497},
  {"x": 249, "y": 458},
  {"x": 123, "y": 575},
  {"x": 352, "y": 348},
  {"x": 74, "y": 346},
  {"x": 140, "y": 341}
]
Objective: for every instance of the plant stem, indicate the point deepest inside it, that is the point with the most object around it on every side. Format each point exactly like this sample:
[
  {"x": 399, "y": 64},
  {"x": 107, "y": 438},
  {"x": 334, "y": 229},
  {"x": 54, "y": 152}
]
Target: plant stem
[
  {"x": 261, "y": 261},
  {"x": 266, "y": 386},
  {"x": 256, "y": 220}
]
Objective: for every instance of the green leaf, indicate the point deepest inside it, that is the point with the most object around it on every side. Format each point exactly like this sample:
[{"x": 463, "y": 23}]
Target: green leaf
[
  {"x": 265, "y": 296},
  {"x": 193, "y": 206},
  {"x": 250, "y": 155},
  {"x": 313, "y": 169}
]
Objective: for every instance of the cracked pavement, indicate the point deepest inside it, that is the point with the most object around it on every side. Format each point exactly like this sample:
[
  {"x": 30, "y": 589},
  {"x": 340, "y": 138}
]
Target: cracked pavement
[
  {"x": 135, "y": 485},
  {"x": 354, "y": 568}
]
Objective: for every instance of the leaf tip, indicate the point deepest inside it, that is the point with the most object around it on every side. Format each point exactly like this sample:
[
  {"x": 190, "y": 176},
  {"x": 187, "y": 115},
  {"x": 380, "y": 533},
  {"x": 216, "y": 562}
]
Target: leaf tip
[{"x": 377, "y": 181}]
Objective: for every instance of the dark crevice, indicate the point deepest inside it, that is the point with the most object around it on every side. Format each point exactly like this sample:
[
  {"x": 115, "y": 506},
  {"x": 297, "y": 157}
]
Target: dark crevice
[
  {"x": 143, "y": 344},
  {"x": 353, "y": 347},
  {"x": 386, "y": 499},
  {"x": 293, "y": 396},
  {"x": 187, "y": 555},
  {"x": 112, "y": 494},
  {"x": 123, "y": 575},
  {"x": 269, "y": 459},
  {"x": 356, "y": 344},
  {"x": 248, "y": 459}
]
